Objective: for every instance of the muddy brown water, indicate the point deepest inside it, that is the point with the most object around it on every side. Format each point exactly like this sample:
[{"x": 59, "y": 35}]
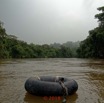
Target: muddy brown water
[{"x": 89, "y": 74}]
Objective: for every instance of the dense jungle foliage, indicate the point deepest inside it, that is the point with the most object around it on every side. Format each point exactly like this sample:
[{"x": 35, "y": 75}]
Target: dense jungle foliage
[
  {"x": 93, "y": 45},
  {"x": 11, "y": 47}
]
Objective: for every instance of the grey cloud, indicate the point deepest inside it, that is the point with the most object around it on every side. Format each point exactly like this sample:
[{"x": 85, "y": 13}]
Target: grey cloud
[{"x": 48, "y": 21}]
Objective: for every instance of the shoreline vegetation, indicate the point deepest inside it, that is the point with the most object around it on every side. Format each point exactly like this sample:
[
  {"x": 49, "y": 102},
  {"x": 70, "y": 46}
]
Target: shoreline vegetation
[{"x": 91, "y": 47}]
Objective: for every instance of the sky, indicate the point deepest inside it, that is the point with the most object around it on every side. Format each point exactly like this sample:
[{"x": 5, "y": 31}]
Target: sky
[{"x": 49, "y": 21}]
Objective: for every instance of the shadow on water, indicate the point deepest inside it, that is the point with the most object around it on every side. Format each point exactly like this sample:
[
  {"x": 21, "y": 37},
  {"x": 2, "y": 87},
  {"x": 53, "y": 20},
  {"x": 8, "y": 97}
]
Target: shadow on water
[{"x": 51, "y": 99}]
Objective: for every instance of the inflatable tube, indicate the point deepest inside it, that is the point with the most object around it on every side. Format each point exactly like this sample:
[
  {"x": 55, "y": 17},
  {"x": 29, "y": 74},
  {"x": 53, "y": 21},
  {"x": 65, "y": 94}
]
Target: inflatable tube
[{"x": 50, "y": 86}]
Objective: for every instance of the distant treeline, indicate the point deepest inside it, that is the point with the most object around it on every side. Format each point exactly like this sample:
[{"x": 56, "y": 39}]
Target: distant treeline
[
  {"x": 91, "y": 47},
  {"x": 11, "y": 47}
]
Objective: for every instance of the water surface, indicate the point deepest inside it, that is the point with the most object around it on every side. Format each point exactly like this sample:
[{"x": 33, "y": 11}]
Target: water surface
[{"x": 88, "y": 73}]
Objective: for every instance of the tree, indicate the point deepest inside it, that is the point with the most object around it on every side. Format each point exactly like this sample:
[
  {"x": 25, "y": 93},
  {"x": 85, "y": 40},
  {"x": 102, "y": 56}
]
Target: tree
[
  {"x": 2, "y": 31},
  {"x": 92, "y": 46},
  {"x": 100, "y": 17},
  {"x": 11, "y": 47},
  {"x": 2, "y": 40}
]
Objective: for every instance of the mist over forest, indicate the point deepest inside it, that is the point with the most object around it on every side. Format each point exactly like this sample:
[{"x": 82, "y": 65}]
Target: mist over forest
[{"x": 91, "y": 47}]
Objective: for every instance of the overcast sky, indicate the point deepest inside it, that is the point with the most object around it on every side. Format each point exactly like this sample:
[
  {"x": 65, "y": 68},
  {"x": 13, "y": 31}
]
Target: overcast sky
[{"x": 49, "y": 21}]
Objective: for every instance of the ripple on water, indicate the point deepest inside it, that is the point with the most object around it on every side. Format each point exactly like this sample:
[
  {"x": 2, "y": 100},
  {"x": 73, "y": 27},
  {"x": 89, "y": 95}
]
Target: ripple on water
[{"x": 88, "y": 73}]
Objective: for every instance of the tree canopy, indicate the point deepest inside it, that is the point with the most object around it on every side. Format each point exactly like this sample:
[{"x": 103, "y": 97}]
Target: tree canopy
[
  {"x": 93, "y": 45},
  {"x": 11, "y": 47}
]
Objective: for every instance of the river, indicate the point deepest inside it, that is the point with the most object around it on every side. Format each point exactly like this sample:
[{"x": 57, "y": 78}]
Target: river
[{"x": 89, "y": 74}]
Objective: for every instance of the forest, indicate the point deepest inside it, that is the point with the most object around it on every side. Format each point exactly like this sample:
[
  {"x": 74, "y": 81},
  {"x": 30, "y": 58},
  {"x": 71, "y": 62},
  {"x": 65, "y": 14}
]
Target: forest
[
  {"x": 91, "y": 47},
  {"x": 11, "y": 47}
]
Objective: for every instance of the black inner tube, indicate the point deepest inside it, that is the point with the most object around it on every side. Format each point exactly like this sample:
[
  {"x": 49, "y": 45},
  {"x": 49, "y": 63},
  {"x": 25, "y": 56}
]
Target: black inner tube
[{"x": 50, "y": 85}]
